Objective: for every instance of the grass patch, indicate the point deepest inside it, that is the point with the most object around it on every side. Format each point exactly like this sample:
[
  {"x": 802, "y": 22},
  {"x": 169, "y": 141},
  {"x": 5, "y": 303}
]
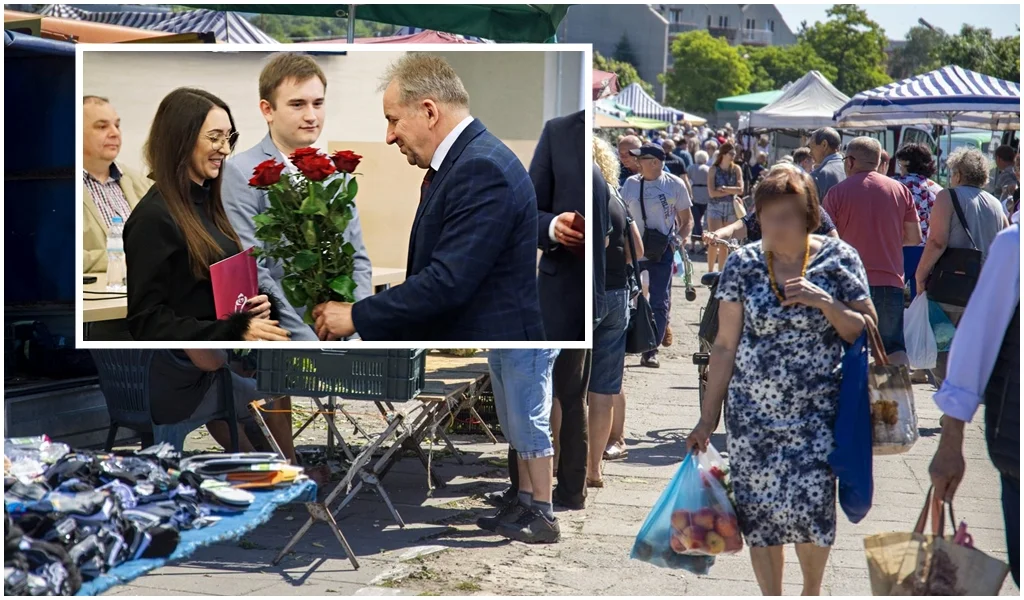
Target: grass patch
[
  {"x": 424, "y": 574},
  {"x": 468, "y": 586},
  {"x": 501, "y": 463},
  {"x": 429, "y": 594},
  {"x": 387, "y": 583}
]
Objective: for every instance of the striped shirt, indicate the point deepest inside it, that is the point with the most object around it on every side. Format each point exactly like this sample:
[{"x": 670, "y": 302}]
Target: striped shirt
[{"x": 108, "y": 197}]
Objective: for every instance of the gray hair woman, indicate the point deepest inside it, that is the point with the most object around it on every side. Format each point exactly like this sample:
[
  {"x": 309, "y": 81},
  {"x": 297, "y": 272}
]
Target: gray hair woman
[{"x": 968, "y": 174}]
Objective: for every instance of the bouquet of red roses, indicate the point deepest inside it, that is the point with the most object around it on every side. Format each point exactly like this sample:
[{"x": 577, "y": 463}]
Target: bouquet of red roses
[{"x": 303, "y": 227}]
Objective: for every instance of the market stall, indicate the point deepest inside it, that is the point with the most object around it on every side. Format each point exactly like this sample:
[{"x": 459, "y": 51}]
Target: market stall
[
  {"x": 227, "y": 26},
  {"x": 807, "y": 104}
]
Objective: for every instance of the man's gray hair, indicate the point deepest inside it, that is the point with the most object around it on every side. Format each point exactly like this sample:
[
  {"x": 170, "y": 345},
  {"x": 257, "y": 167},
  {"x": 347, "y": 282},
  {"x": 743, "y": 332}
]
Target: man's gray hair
[
  {"x": 829, "y": 135},
  {"x": 711, "y": 145},
  {"x": 422, "y": 76},
  {"x": 701, "y": 158},
  {"x": 866, "y": 150},
  {"x": 972, "y": 166}
]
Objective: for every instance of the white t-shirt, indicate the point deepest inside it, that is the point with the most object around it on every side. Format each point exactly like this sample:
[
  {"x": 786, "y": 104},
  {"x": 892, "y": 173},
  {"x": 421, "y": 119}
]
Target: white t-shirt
[{"x": 663, "y": 197}]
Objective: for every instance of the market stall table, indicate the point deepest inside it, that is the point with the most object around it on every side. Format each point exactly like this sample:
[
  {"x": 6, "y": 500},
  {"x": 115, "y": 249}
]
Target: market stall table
[
  {"x": 450, "y": 385},
  {"x": 100, "y": 305}
]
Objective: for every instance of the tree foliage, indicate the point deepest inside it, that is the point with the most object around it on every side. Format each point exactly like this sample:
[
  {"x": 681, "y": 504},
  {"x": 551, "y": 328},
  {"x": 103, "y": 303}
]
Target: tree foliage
[
  {"x": 626, "y": 72},
  {"x": 976, "y": 49},
  {"x": 774, "y": 66},
  {"x": 854, "y": 44},
  {"x": 624, "y": 51},
  {"x": 919, "y": 55},
  {"x": 705, "y": 68},
  {"x": 290, "y": 28}
]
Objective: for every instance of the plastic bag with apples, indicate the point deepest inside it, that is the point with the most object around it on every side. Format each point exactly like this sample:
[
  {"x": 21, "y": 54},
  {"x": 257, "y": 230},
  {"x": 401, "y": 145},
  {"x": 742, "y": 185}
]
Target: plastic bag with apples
[{"x": 693, "y": 520}]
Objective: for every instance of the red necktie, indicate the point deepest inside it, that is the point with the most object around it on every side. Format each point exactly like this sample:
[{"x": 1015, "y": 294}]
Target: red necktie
[{"x": 427, "y": 178}]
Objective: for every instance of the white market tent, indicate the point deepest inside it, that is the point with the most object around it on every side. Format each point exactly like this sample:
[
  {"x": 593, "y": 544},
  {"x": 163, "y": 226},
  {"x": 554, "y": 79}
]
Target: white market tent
[
  {"x": 644, "y": 106},
  {"x": 808, "y": 103},
  {"x": 950, "y": 96}
]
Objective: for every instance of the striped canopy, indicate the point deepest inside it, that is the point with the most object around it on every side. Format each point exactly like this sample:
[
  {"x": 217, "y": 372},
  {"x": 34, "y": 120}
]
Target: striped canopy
[
  {"x": 226, "y": 26},
  {"x": 949, "y": 96},
  {"x": 643, "y": 105}
]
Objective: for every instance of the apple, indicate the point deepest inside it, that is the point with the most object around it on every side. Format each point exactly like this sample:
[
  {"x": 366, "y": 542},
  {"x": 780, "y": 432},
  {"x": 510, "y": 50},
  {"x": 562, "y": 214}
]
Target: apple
[
  {"x": 714, "y": 542},
  {"x": 734, "y": 543},
  {"x": 693, "y": 537},
  {"x": 705, "y": 519},
  {"x": 726, "y": 526},
  {"x": 678, "y": 544},
  {"x": 680, "y": 520}
]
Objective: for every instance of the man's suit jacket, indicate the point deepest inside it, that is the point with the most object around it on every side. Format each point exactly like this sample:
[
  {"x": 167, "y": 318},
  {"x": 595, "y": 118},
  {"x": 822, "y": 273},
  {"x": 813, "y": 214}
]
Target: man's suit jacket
[
  {"x": 471, "y": 272},
  {"x": 94, "y": 228},
  {"x": 558, "y": 172},
  {"x": 242, "y": 203}
]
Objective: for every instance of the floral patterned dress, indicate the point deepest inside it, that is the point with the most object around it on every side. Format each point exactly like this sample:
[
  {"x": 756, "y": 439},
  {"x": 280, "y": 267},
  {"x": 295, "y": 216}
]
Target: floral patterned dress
[
  {"x": 783, "y": 397},
  {"x": 924, "y": 191}
]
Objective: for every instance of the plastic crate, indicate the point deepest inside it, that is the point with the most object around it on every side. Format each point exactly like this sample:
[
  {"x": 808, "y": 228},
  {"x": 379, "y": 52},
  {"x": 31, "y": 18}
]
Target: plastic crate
[{"x": 350, "y": 374}]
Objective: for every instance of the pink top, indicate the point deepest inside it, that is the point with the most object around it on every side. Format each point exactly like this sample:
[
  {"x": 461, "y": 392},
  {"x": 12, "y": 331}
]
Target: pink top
[{"x": 869, "y": 211}]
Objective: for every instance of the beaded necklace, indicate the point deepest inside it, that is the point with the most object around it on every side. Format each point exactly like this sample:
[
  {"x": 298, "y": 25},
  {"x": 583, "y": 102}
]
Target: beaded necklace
[{"x": 771, "y": 271}]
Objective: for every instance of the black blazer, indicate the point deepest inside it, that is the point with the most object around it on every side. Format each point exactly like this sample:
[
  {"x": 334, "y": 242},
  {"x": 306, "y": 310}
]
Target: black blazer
[
  {"x": 165, "y": 299},
  {"x": 558, "y": 172}
]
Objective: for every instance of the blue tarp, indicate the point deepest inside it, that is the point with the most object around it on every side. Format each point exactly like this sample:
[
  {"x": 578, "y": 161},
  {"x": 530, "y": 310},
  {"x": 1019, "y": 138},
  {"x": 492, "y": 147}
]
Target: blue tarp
[{"x": 228, "y": 528}]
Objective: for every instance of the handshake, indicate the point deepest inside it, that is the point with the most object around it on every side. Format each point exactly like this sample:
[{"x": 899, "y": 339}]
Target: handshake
[{"x": 333, "y": 320}]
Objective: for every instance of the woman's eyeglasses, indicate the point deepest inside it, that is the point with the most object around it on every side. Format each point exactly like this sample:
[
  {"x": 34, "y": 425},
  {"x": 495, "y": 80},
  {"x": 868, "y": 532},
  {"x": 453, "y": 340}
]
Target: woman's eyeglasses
[{"x": 217, "y": 139}]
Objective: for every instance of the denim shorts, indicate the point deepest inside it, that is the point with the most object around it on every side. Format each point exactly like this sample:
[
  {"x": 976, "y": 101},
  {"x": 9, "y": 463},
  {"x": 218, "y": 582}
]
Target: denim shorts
[
  {"x": 610, "y": 345},
  {"x": 722, "y": 211},
  {"x": 888, "y": 303},
  {"x": 521, "y": 380},
  {"x": 244, "y": 392}
]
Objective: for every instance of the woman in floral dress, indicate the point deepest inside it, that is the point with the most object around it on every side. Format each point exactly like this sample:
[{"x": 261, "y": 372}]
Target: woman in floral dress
[
  {"x": 788, "y": 304},
  {"x": 916, "y": 165}
]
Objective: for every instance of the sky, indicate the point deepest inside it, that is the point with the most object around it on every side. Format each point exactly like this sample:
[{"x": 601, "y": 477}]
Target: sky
[{"x": 897, "y": 19}]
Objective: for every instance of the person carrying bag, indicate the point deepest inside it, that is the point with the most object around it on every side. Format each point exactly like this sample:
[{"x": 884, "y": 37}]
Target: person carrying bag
[
  {"x": 655, "y": 242},
  {"x": 641, "y": 336},
  {"x": 956, "y": 273}
]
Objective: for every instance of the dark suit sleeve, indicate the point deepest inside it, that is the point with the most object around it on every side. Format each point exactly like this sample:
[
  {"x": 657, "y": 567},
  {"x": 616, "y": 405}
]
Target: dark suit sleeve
[
  {"x": 150, "y": 237},
  {"x": 543, "y": 176},
  {"x": 477, "y": 222}
]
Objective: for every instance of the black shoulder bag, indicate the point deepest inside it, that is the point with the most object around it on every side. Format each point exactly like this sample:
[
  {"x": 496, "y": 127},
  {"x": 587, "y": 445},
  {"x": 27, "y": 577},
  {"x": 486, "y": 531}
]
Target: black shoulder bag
[
  {"x": 641, "y": 335},
  {"x": 655, "y": 242},
  {"x": 956, "y": 273}
]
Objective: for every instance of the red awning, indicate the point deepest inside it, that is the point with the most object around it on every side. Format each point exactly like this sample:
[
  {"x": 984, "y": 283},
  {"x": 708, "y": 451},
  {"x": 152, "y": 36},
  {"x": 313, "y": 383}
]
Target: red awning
[
  {"x": 605, "y": 84},
  {"x": 423, "y": 37}
]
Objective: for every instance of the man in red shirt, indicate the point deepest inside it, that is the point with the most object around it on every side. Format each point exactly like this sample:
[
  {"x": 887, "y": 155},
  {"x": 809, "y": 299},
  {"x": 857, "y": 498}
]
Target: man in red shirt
[{"x": 876, "y": 215}]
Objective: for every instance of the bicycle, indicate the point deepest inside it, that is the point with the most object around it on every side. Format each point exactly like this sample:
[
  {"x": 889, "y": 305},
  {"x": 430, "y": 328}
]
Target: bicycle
[{"x": 708, "y": 328}]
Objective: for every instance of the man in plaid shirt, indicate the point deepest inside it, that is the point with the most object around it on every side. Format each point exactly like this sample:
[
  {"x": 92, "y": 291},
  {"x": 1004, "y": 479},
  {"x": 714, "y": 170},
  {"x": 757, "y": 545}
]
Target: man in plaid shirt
[{"x": 110, "y": 190}]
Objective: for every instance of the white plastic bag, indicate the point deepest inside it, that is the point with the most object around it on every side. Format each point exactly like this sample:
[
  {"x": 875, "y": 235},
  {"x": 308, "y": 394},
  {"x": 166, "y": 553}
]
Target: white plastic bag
[{"x": 917, "y": 332}]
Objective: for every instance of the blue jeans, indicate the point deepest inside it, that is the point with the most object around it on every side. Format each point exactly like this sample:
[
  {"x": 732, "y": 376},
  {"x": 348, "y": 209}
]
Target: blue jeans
[
  {"x": 889, "y": 303},
  {"x": 698, "y": 211},
  {"x": 521, "y": 380},
  {"x": 609, "y": 357},
  {"x": 660, "y": 274},
  {"x": 1011, "y": 518}
]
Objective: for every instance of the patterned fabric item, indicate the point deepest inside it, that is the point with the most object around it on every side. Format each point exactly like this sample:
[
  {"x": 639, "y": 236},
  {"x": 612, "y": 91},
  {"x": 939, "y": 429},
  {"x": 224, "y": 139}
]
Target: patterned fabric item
[
  {"x": 924, "y": 191},
  {"x": 108, "y": 196},
  {"x": 784, "y": 396}
]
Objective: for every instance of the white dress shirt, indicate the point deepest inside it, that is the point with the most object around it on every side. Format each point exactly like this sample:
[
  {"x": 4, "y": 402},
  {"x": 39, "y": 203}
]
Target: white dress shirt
[
  {"x": 972, "y": 356},
  {"x": 446, "y": 144}
]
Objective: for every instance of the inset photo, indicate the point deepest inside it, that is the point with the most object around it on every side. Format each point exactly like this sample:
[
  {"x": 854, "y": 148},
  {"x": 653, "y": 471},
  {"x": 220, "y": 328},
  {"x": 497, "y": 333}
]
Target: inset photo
[{"x": 306, "y": 194}]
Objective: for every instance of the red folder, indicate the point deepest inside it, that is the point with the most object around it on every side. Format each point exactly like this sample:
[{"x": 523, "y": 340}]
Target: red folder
[
  {"x": 578, "y": 224},
  {"x": 234, "y": 281}
]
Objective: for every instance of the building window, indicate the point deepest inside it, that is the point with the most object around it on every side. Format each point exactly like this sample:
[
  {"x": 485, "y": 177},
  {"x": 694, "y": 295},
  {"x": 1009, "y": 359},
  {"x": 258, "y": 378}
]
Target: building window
[
  {"x": 709, "y": 21},
  {"x": 676, "y": 16},
  {"x": 751, "y": 24},
  {"x": 771, "y": 25},
  {"x": 723, "y": 21}
]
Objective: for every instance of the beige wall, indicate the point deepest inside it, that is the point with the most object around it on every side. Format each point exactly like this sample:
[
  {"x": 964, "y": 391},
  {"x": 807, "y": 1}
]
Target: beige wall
[{"x": 513, "y": 93}]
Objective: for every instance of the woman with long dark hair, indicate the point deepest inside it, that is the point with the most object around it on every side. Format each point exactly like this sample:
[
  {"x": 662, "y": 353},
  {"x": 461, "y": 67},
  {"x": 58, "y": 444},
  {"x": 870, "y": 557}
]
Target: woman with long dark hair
[
  {"x": 725, "y": 182},
  {"x": 180, "y": 228}
]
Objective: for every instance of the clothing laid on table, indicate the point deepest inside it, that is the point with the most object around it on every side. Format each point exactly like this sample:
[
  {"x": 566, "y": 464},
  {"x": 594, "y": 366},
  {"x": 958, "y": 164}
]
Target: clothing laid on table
[
  {"x": 783, "y": 397},
  {"x": 166, "y": 301},
  {"x": 924, "y": 191},
  {"x": 754, "y": 226},
  {"x": 101, "y": 202}
]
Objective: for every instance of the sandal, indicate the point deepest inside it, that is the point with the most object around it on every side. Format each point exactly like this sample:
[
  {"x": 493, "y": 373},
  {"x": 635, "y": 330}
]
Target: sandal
[{"x": 595, "y": 483}]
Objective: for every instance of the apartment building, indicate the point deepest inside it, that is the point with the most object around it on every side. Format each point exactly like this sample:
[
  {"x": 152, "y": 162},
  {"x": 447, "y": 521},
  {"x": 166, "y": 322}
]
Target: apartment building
[{"x": 650, "y": 28}]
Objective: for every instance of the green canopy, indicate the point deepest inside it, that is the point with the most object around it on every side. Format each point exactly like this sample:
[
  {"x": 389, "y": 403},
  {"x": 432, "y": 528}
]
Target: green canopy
[
  {"x": 499, "y": 22},
  {"x": 747, "y": 102}
]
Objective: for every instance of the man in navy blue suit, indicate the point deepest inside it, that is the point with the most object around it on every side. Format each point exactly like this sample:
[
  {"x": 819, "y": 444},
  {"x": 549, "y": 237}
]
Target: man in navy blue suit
[{"x": 471, "y": 272}]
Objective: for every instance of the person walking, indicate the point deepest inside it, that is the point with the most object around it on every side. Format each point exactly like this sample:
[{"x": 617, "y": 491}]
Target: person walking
[
  {"x": 916, "y": 165},
  {"x": 975, "y": 225},
  {"x": 829, "y": 169},
  {"x": 810, "y": 295},
  {"x": 725, "y": 183}
]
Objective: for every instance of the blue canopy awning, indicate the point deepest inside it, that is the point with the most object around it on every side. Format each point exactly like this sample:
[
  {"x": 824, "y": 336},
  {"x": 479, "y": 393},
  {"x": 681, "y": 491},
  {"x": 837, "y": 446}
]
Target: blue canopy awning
[
  {"x": 950, "y": 96},
  {"x": 643, "y": 105},
  {"x": 226, "y": 26},
  {"x": 17, "y": 44}
]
